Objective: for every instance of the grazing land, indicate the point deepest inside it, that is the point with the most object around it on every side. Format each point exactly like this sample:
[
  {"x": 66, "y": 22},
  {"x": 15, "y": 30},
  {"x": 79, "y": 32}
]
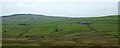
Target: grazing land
[{"x": 41, "y": 30}]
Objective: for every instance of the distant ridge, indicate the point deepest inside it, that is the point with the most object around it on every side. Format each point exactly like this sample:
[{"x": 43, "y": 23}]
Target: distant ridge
[
  {"x": 22, "y": 15},
  {"x": 48, "y": 15}
]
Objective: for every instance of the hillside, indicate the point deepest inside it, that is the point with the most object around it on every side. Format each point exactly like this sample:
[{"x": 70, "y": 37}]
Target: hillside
[{"x": 41, "y": 30}]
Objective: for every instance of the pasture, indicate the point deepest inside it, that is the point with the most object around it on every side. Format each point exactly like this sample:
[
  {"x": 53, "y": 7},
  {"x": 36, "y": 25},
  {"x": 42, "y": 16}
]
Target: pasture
[{"x": 40, "y": 30}]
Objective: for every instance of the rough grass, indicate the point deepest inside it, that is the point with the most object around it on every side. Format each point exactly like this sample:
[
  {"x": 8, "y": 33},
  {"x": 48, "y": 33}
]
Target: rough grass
[{"x": 41, "y": 31}]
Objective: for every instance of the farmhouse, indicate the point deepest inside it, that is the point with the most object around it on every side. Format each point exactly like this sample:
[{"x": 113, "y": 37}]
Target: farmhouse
[{"x": 86, "y": 23}]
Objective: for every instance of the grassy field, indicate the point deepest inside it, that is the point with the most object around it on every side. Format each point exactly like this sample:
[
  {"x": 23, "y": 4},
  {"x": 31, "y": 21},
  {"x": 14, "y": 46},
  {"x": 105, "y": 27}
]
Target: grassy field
[{"x": 40, "y": 30}]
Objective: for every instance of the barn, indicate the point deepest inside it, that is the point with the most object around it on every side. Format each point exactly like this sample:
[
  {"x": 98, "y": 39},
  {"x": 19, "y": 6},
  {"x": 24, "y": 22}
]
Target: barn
[{"x": 86, "y": 23}]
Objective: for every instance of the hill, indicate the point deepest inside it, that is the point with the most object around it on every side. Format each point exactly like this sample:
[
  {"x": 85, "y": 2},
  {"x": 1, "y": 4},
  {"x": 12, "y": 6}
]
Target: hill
[{"x": 41, "y": 30}]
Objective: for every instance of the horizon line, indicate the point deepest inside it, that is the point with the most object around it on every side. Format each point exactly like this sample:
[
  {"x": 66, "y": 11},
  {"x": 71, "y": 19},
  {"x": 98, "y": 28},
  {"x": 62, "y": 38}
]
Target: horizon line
[{"x": 58, "y": 15}]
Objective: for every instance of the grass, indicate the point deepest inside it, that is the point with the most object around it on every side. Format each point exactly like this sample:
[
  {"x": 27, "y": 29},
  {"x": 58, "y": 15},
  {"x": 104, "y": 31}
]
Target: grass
[{"x": 59, "y": 31}]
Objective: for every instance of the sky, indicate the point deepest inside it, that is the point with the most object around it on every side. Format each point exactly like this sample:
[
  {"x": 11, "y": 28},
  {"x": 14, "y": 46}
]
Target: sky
[{"x": 70, "y": 8}]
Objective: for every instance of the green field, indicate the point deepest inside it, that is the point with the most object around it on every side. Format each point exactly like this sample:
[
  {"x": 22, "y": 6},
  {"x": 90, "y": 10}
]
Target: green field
[{"x": 41, "y": 30}]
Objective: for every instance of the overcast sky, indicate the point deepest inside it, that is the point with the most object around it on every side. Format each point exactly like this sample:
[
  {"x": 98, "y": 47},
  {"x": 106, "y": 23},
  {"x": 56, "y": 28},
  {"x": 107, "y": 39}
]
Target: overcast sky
[{"x": 72, "y": 8}]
